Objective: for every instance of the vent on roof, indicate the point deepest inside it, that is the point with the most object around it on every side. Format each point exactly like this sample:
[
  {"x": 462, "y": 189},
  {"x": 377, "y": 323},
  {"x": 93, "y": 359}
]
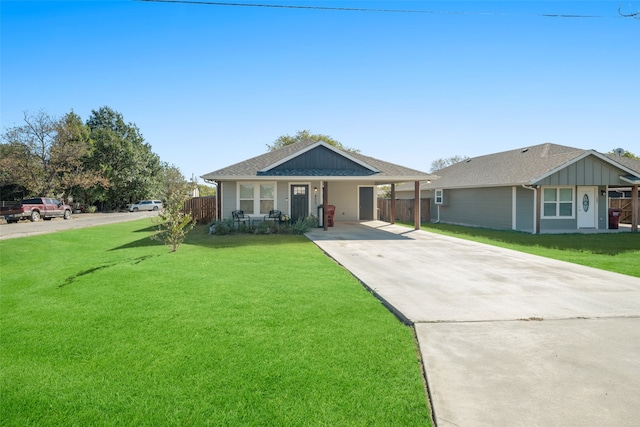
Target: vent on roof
[
  {"x": 525, "y": 150},
  {"x": 468, "y": 160}
]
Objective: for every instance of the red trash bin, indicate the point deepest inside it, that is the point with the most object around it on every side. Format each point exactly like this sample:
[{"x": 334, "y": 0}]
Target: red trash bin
[{"x": 614, "y": 218}]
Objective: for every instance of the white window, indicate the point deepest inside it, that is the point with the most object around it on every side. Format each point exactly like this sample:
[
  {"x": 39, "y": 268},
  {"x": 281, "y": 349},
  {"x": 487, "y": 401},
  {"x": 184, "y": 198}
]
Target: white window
[
  {"x": 439, "y": 197},
  {"x": 256, "y": 198},
  {"x": 557, "y": 202}
]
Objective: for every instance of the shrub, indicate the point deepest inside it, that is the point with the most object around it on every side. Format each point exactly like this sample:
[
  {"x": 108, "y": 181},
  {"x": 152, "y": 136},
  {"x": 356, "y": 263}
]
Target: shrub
[
  {"x": 303, "y": 226},
  {"x": 265, "y": 227},
  {"x": 227, "y": 226},
  {"x": 221, "y": 228}
]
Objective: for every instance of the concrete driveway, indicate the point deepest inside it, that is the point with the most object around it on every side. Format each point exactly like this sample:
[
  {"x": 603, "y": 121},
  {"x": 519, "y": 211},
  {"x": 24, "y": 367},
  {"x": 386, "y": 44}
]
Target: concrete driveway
[{"x": 507, "y": 339}]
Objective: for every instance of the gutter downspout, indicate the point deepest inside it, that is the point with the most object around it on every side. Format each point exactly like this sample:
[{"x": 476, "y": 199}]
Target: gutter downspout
[{"x": 535, "y": 206}]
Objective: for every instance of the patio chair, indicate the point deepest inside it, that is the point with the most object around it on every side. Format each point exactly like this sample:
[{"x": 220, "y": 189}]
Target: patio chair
[
  {"x": 240, "y": 218},
  {"x": 331, "y": 212},
  {"x": 274, "y": 215}
]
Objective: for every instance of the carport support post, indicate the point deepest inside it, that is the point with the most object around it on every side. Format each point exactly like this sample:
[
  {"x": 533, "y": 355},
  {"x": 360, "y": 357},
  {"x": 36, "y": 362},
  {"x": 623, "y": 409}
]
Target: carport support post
[
  {"x": 634, "y": 209},
  {"x": 416, "y": 206},
  {"x": 392, "y": 220},
  {"x": 219, "y": 200},
  {"x": 325, "y": 202}
]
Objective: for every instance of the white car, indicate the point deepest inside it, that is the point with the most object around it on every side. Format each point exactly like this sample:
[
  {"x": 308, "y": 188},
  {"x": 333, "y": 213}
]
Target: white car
[{"x": 146, "y": 205}]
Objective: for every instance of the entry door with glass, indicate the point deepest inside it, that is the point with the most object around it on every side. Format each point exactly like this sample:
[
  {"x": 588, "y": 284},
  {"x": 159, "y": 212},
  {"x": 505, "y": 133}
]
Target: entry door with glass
[
  {"x": 587, "y": 208},
  {"x": 299, "y": 202}
]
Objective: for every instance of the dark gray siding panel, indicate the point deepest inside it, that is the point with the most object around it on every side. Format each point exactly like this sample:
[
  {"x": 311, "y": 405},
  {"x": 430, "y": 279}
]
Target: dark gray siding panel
[
  {"x": 525, "y": 217},
  {"x": 321, "y": 158},
  {"x": 480, "y": 207},
  {"x": 588, "y": 171}
]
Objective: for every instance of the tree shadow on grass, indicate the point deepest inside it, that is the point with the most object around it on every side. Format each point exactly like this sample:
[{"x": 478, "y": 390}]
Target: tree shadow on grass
[
  {"x": 598, "y": 243},
  {"x": 140, "y": 243},
  {"x": 149, "y": 229},
  {"x": 200, "y": 236}
]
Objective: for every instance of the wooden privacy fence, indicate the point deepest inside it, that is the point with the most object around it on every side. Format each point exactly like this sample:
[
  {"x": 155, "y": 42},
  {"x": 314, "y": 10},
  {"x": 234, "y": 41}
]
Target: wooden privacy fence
[
  {"x": 404, "y": 210},
  {"x": 203, "y": 209},
  {"x": 625, "y": 206}
]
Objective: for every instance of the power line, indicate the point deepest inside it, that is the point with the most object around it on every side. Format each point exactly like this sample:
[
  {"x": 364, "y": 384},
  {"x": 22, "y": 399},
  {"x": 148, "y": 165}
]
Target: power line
[
  {"x": 627, "y": 15},
  {"x": 362, "y": 9}
]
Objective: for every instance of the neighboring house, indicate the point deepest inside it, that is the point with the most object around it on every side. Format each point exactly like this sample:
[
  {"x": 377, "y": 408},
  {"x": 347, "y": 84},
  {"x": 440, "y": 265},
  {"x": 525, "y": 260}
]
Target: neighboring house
[
  {"x": 546, "y": 188},
  {"x": 298, "y": 178}
]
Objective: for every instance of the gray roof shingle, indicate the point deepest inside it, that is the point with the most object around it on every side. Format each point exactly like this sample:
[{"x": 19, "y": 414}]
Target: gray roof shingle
[
  {"x": 513, "y": 167},
  {"x": 252, "y": 166}
]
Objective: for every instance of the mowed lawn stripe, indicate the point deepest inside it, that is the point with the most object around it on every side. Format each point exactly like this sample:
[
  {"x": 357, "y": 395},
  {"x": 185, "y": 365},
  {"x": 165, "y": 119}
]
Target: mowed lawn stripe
[{"x": 104, "y": 326}]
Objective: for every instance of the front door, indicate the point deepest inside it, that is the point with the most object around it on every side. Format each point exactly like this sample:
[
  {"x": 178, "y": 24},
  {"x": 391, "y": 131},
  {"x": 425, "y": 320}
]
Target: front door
[
  {"x": 299, "y": 202},
  {"x": 365, "y": 203},
  {"x": 587, "y": 208}
]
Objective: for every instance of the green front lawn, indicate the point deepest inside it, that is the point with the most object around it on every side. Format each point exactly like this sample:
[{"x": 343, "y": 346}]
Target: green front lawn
[
  {"x": 617, "y": 252},
  {"x": 105, "y": 327}
]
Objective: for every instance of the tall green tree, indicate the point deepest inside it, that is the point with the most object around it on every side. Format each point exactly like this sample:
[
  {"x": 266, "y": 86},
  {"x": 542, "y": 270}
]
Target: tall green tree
[
  {"x": 302, "y": 135},
  {"x": 124, "y": 158},
  {"x": 26, "y": 159},
  {"x": 47, "y": 157},
  {"x": 72, "y": 152},
  {"x": 10, "y": 188}
]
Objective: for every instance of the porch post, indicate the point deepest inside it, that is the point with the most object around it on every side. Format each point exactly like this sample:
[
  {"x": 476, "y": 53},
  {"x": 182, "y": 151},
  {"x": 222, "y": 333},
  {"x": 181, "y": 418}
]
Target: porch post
[
  {"x": 634, "y": 209},
  {"x": 416, "y": 206},
  {"x": 325, "y": 201},
  {"x": 392, "y": 220},
  {"x": 219, "y": 200}
]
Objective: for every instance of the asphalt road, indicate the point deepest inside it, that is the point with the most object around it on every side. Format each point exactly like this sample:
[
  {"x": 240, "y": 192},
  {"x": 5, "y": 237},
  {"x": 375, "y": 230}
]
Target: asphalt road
[{"x": 28, "y": 228}]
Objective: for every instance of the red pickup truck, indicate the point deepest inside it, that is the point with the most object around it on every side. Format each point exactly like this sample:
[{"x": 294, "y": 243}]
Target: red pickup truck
[{"x": 36, "y": 208}]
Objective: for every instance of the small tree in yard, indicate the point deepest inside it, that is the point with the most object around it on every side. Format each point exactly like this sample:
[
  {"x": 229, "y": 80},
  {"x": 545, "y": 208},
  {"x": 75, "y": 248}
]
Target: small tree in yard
[{"x": 173, "y": 222}]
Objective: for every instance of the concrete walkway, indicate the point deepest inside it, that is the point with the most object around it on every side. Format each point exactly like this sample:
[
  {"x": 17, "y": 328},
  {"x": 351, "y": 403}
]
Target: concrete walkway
[{"x": 508, "y": 339}]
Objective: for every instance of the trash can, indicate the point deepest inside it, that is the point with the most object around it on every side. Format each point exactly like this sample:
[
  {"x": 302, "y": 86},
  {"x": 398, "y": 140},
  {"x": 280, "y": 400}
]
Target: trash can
[
  {"x": 614, "y": 218},
  {"x": 320, "y": 216}
]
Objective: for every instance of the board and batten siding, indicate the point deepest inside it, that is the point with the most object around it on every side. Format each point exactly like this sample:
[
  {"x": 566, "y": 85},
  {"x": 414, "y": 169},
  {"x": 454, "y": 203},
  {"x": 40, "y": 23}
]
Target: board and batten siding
[
  {"x": 320, "y": 158},
  {"x": 479, "y": 207},
  {"x": 588, "y": 171},
  {"x": 525, "y": 213}
]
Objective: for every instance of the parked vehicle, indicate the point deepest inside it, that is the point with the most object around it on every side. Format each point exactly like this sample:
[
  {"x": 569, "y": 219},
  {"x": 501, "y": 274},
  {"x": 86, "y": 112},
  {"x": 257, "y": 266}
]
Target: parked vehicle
[
  {"x": 146, "y": 205},
  {"x": 37, "y": 208}
]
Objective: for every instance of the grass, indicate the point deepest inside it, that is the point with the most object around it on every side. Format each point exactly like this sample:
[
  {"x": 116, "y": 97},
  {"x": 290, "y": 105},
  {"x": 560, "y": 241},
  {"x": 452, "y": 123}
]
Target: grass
[
  {"x": 105, "y": 327},
  {"x": 619, "y": 252}
]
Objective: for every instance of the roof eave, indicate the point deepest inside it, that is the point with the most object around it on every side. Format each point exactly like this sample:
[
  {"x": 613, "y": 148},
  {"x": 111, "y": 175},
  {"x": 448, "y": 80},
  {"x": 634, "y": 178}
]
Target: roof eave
[
  {"x": 435, "y": 186},
  {"x": 631, "y": 179},
  {"x": 370, "y": 178}
]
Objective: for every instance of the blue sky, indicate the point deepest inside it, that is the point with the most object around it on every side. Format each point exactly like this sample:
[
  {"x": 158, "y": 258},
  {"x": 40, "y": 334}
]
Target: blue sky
[{"x": 209, "y": 86}]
